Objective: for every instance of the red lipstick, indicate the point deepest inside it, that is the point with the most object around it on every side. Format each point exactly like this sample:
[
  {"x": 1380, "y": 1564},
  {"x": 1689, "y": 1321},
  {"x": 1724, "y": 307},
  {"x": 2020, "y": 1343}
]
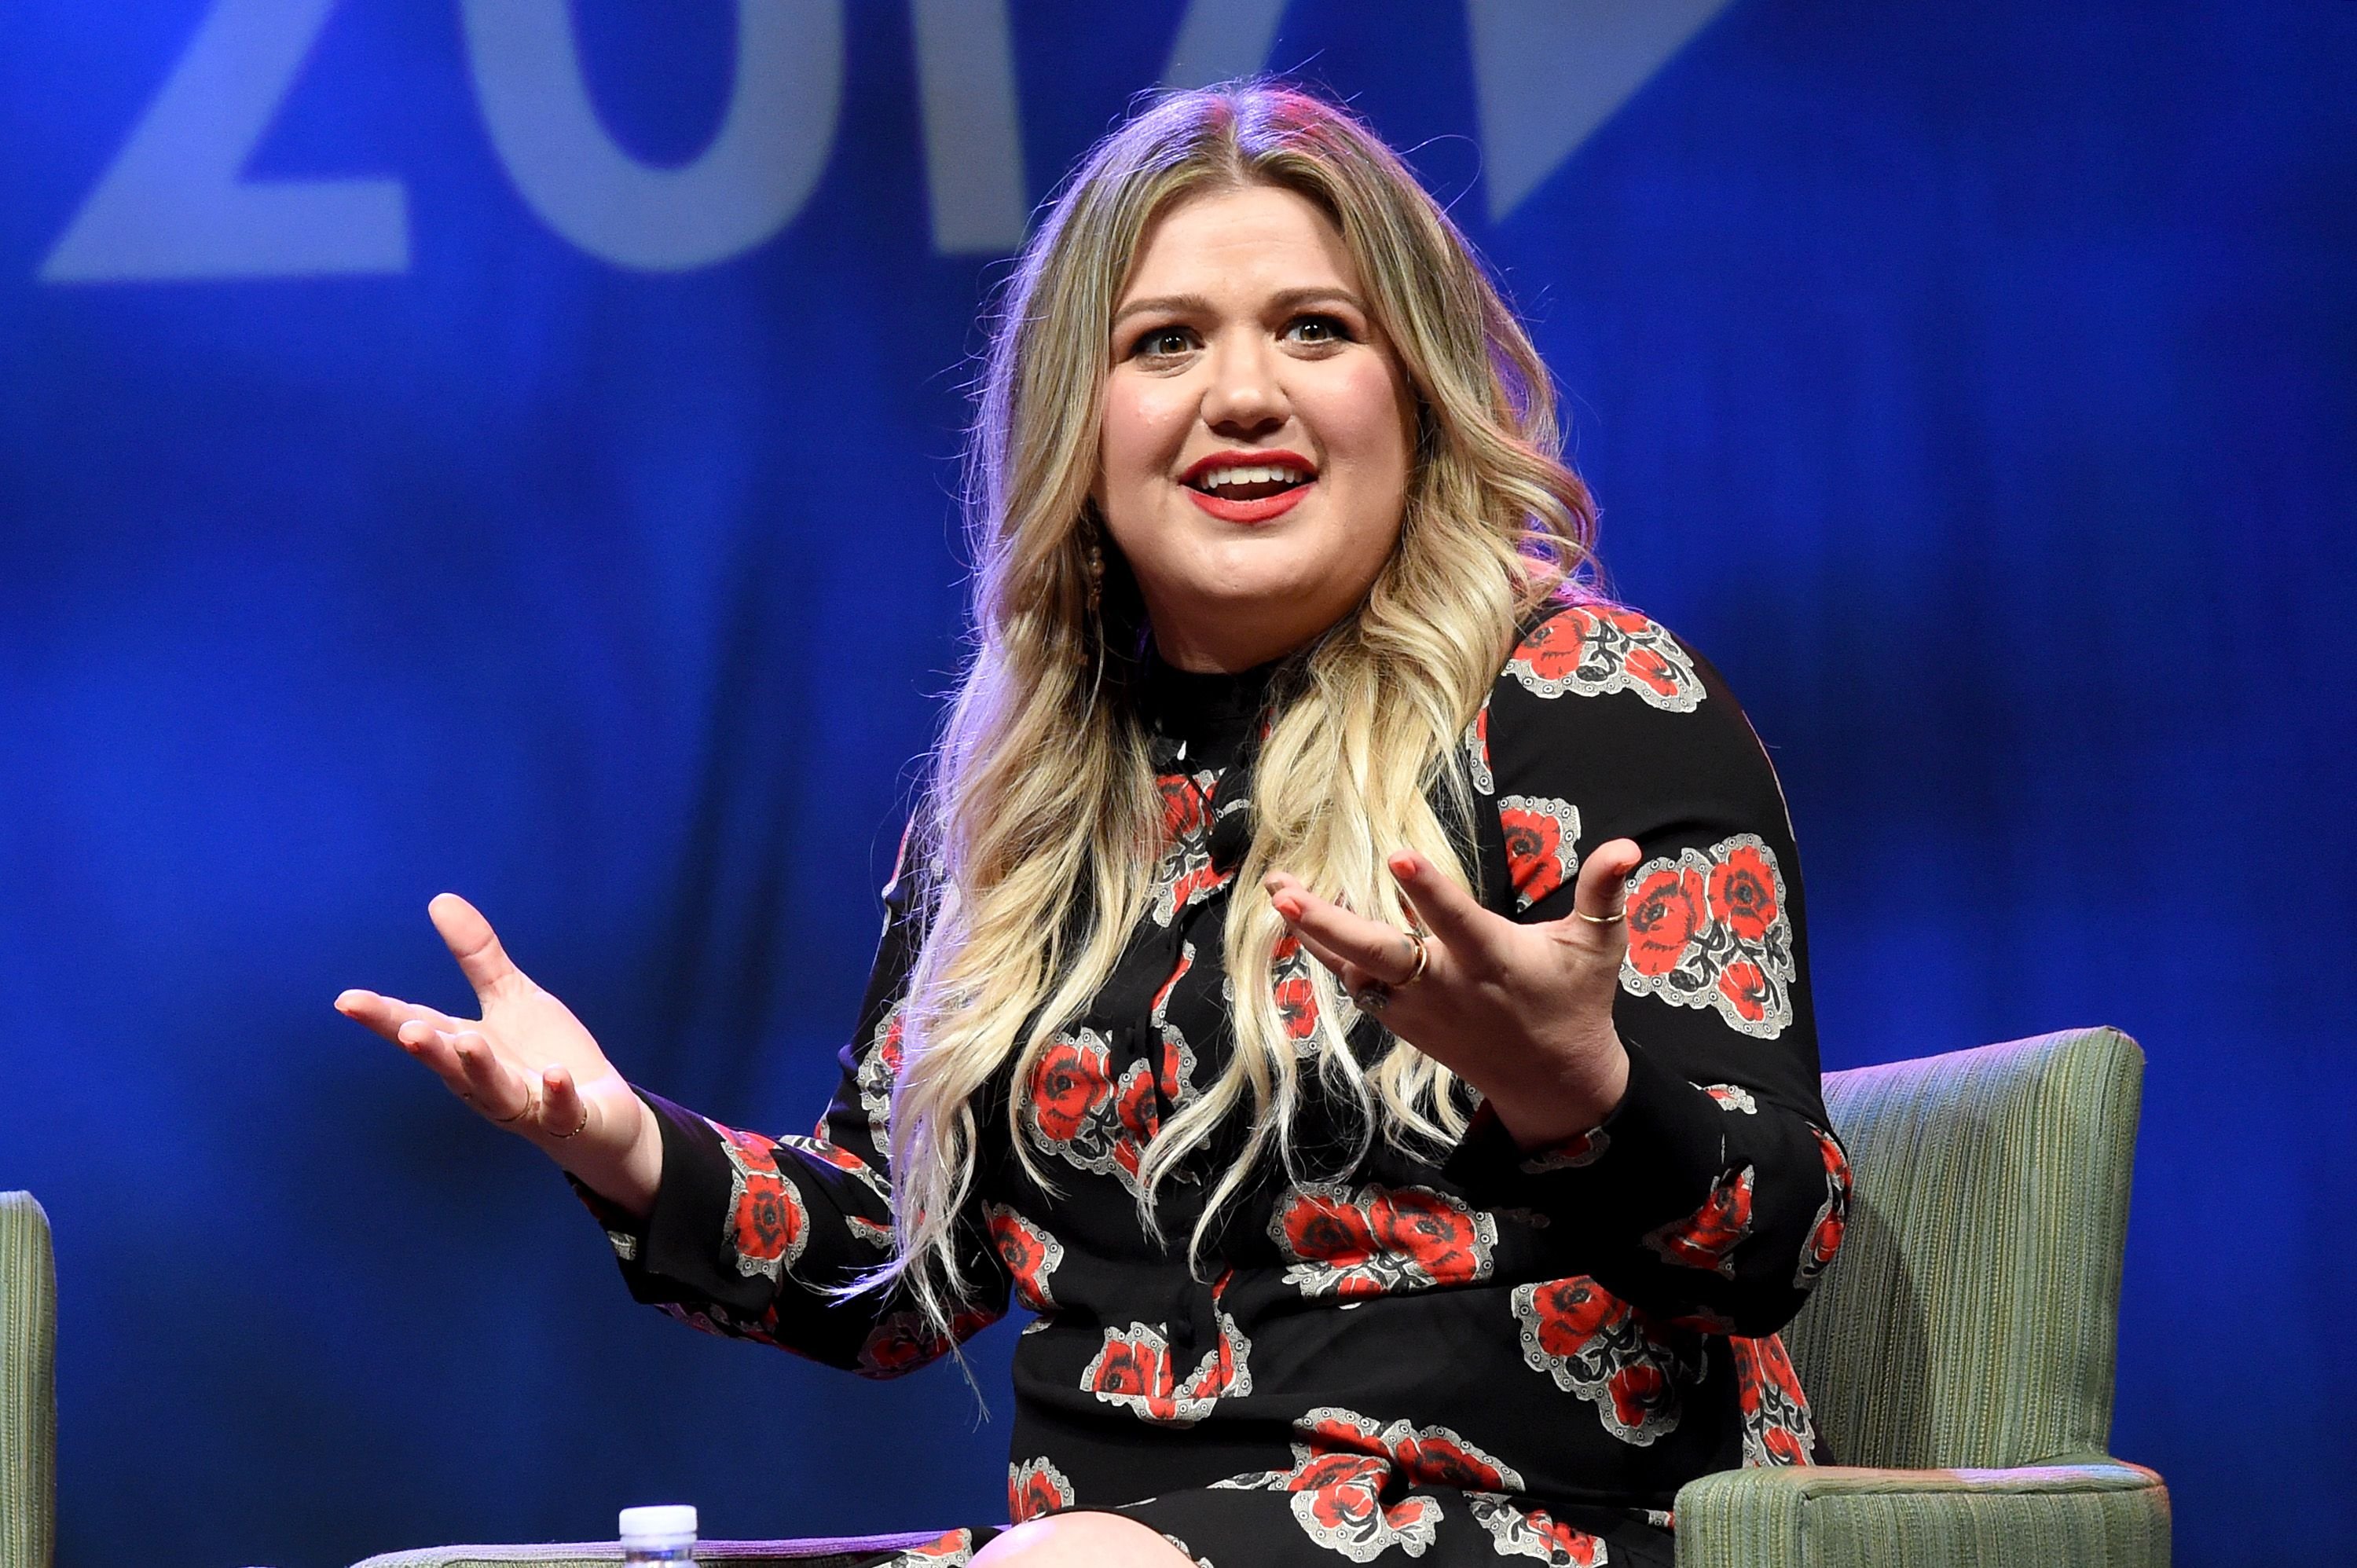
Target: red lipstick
[{"x": 1256, "y": 508}]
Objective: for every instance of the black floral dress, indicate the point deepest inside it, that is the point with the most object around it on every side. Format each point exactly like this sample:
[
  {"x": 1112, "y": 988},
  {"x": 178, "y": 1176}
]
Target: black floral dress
[{"x": 1478, "y": 1354}]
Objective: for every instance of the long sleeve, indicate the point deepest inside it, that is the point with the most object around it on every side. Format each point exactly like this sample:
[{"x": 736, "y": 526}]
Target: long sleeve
[
  {"x": 751, "y": 1236},
  {"x": 1713, "y": 1194}
]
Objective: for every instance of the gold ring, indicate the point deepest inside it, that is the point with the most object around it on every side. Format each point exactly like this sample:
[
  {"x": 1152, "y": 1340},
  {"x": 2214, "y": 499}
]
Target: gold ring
[
  {"x": 1613, "y": 918},
  {"x": 577, "y": 1130},
  {"x": 1423, "y": 957},
  {"x": 520, "y": 1115}
]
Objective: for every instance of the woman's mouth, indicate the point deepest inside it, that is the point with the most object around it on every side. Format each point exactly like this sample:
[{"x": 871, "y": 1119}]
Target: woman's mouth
[{"x": 1249, "y": 487}]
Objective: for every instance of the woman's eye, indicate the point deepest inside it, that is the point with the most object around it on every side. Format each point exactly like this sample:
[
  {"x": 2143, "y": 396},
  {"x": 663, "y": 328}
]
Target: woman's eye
[
  {"x": 1317, "y": 330},
  {"x": 1163, "y": 342}
]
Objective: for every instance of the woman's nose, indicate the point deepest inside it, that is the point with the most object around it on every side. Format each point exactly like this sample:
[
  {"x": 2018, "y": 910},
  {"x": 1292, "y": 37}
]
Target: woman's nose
[{"x": 1245, "y": 397}]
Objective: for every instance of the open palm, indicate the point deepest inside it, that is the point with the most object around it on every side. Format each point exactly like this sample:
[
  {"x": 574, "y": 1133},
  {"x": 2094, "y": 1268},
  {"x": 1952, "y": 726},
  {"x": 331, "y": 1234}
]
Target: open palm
[
  {"x": 527, "y": 1064},
  {"x": 1523, "y": 1013}
]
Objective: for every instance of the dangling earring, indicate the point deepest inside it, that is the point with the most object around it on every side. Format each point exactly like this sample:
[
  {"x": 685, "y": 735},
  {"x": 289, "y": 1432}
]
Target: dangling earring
[{"x": 1095, "y": 559}]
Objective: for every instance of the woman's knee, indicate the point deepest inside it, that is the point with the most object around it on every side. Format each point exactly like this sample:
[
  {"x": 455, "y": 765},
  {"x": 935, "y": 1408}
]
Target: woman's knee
[{"x": 1081, "y": 1539}]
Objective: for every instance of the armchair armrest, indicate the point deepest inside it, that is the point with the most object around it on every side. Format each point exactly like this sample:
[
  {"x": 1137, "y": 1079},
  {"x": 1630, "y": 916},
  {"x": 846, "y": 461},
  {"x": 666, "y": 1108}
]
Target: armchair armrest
[
  {"x": 816, "y": 1552},
  {"x": 2091, "y": 1511},
  {"x": 28, "y": 1387}
]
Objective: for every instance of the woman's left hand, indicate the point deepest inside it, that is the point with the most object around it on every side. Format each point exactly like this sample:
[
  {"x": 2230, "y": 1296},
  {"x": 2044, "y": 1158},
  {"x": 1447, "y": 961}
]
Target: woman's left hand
[{"x": 1523, "y": 1013}]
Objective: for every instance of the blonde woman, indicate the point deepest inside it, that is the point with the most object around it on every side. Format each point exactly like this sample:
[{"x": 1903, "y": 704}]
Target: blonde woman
[{"x": 1346, "y": 978}]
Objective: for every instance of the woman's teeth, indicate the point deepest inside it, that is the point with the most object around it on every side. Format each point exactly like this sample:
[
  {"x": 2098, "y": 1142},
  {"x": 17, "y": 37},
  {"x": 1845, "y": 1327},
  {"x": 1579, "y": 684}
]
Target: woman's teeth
[{"x": 1252, "y": 483}]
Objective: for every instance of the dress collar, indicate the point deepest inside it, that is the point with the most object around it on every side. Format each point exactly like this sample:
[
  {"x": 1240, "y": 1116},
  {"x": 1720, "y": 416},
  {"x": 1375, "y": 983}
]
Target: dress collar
[{"x": 1203, "y": 719}]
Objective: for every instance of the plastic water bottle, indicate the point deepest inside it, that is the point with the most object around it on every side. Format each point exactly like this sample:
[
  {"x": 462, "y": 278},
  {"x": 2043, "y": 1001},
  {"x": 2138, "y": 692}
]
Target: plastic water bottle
[{"x": 662, "y": 1534}]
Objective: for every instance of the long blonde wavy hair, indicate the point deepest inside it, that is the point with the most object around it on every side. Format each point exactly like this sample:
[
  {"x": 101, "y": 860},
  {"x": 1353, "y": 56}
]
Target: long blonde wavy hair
[{"x": 1040, "y": 819}]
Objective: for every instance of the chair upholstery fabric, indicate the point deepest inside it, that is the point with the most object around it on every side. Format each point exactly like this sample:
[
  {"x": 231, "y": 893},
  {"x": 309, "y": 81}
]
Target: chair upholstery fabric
[
  {"x": 28, "y": 1393},
  {"x": 2066, "y": 1516},
  {"x": 1959, "y": 1354},
  {"x": 1972, "y": 1316}
]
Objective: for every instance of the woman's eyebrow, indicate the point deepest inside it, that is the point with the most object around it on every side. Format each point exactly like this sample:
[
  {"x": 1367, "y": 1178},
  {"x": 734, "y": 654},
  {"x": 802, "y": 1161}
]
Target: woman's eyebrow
[
  {"x": 1164, "y": 305},
  {"x": 1319, "y": 294},
  {"x": 1199, "y": 305}
]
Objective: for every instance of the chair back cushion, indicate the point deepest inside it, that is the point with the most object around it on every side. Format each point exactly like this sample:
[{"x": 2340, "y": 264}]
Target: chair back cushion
[
  {"x": 28, "y": 1390},
  {"x": 1971, "y": 1317}
]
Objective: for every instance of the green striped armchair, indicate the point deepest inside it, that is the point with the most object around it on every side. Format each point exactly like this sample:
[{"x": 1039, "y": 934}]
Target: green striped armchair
[
  {"x": 1959, "y": 1353},
  {"x": 28, "y": 1389}
]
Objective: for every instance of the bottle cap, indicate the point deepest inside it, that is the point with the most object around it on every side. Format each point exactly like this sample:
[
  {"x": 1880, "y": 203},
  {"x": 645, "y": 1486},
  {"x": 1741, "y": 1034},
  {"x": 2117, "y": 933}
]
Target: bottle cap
[{"x": 660, "y": 1525}]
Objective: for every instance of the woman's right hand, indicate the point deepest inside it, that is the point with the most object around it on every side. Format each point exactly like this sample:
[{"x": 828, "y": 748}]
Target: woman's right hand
[{"x": 527, "y": 1065}]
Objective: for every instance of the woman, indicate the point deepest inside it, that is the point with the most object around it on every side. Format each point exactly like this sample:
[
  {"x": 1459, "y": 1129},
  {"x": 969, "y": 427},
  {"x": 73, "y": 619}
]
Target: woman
[{"x": 1345, "y": 978}]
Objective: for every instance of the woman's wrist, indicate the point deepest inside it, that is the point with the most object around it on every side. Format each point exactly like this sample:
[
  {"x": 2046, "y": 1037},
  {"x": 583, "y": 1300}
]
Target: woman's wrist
[
  {"x": 1562, "y": 1092},
  {"x": 627, "y": 1174}
]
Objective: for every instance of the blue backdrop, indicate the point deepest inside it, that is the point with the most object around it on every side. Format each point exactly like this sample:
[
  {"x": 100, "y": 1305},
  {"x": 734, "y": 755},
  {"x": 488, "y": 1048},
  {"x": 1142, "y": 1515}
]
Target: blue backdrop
[{"x": 441, "y": 447}]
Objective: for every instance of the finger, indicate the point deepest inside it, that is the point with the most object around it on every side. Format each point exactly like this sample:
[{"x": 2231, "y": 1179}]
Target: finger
[
  {"x": 1602, "y": 891},
  {"x": 1335, "y": 934},
  {"x": 474, "y": 944},
  {"x": 433, "y": 1049},
  {"x": 1444, "y": 909},
  {"x": 1309, "y": 943},
  {"x": 498, "y": 1090},
  {"x": 386, "y": 1014},
  {"x": 564, "y": 1114}
]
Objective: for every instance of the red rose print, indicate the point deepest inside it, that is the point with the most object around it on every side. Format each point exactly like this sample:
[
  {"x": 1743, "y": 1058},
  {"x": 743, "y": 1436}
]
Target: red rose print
[
  {"x": 1833, "y": 1215},
  {"x": 1067, "y": 1084},
  {"x": 1036, "y": 1488},
  {"x": 951, "y": 1549},
  {"x": 1542, "y": 844},
  {"x": 1568, "y": 1153},
  {"x": 1075, "y": 1110},
  {"x": 1439, "y": 1233},
  {"x": 1133, "y": 1371},
  {"x": 1645, "y": 665},
  {"x": 1193, "y": 883},
  {"x": 1627, "y": 622},
  {"x": 1600, "y": 1347},
  {"x": 1134, "y": 1104},
  {"x": 836, "y": 1157},
  {"x": 767, "y": 1225},
  {"x": 1706, "y": 1238},
  {"x": 1553, "y": 650},
  {"x": 1183, "y": 803},
  {"x": 1665, "y": 910},
  {"x": 1185, "y": 875},
  {"x": 1346, "y": 1462},
  {"x": 1297, "y": 999},
  {"x": 1135, "y": 1368},
  {"x": 769, "y": 1218},
  {"x": 1436, "y": 1457},
  {"x": 903, "y": 1341},
  {"x": 1743, "y": 893},
  {"x": 1029, "y": 1252},
  {"x": 1777, "y": 1427},
  {"x": 1323, "y": 1227},
  {"x": 1732, "y": 1097},
  {"x": 1535, "y": 1532},
  {"x": 1638, "y": 1391},
  {"x": 828, "y": 1154},
  {"x": 900, "y": 1343},
  {"x": 1376, "y": 1239},
  {"x": 1747, "y": 990},
  {"x": 1709, "y": 929},
  {"x": 1177, "y": 1070},
  {"x": 1593, "y": 651}
]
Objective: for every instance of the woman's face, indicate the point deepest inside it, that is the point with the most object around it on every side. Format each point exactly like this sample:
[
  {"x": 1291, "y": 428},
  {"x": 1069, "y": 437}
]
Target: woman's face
[{"x": 1257, "y": 430}]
